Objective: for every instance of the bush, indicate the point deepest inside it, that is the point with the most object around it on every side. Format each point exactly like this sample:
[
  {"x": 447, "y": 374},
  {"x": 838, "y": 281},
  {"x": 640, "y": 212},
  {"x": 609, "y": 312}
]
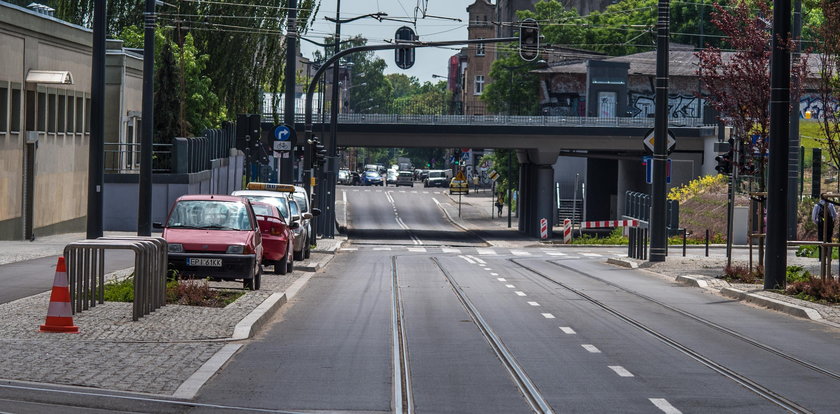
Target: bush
[
  {"x": 615, "y": 237},
  {"x": 795, "y": 274},
  {"x": 120, "y": 290},
  {"x": 181, "y": 292},
  {"x": 816, "y": 290},
  {"x": 696, "y": 187},
  {"x": 741, "y": 274},
  {"x": 814, "y": 252}
]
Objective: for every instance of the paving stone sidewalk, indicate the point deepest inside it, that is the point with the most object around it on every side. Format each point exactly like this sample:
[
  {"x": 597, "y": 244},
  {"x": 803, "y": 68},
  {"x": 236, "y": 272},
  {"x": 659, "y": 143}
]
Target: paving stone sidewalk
[{"x": 153, "y": 355}]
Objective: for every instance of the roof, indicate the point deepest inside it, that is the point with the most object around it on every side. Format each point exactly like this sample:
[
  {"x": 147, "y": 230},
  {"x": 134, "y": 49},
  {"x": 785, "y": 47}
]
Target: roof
[
  {"x": 213, "y": 197},
  {"x": 260, "y": 193},
  {"x": 682, "y": 62}
]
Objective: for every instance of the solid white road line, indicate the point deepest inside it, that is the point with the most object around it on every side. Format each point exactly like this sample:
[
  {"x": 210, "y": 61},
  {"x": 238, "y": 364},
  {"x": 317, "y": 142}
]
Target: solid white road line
[
  {"x": 533, "y": 303},
  {"x": 568, "y": 331},
  {"x": 190, "y": 387},
  {"x": 592, "y": 349},
  {"x": 664, "y": 405},
  {"x": 519, "y": 253},
  {"x": 620, "y": 371},
  {"x": 501, "y": 279},
  {"x": 548, "y": 316},
  {"x": 486, "y": 252},
  {"x": 520, "y": 293}
]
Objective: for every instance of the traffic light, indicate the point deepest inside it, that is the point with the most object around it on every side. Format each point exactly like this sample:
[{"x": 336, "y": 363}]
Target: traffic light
[
  {"x": 529, "y": 40},
  {"x": 724, "y": 163},
  {"x": 319, "y": 152},
  {"x": 404, "y": 56}
]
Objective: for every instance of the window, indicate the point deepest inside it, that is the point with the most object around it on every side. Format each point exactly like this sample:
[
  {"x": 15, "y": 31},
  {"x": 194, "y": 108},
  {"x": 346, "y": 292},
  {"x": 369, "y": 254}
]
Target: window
[
  {"x": 15, "y": 126},
  {"x": 51, "y": 99},
  {"x": 29, "y": 116},
  {"x": 80, "y": 114},
  {"x": 479, "y": 49},
  {"x": 479, "y": 85},
  {"x": 42, "y": 111},
  {"x": 61, "y": 112},
  {"x": 4, "y": 110},
  {"x": 87, "y": 114},
  {"x": 71, "y": 116}
]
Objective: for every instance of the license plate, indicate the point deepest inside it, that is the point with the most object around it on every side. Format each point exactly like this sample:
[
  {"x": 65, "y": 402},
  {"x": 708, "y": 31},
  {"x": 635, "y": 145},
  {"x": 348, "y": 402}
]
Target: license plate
[{"x": 204, "y": 262}]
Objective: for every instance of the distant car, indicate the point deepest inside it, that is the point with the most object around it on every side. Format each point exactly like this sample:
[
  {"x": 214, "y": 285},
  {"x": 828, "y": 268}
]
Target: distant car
[
  {"x": 277, "y": 238},
  {"x": 405, "y": 178},
  {"x": 216, "y": 237},
  {"x": 344, "y": 176},
  {"x": 371, "y": 178},
  {"x": 424, "y": 174},
  {"x": 437, "y": 178},
  {"x": 391, "y": 177},
  {"x": 355, "y": 178},
  {"x": 306, "y": 213},
  {"x": 275, "y": 198}
]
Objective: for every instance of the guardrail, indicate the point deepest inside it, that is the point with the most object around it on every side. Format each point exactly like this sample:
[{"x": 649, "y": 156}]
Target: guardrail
[
  {"x": 124, "y": 158},
  {"x": 86, "y": 272}
]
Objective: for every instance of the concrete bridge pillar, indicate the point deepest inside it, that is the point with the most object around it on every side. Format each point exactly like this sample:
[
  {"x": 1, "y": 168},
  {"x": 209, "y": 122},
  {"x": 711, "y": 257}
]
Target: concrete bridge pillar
[{"x": 536, "y": 183}]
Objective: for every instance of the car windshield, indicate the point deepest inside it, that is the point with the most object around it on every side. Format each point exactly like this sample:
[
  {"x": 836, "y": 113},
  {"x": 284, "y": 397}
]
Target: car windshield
[
  {"x": 372, "y": 174},
  {"x": 301, "y": 201},
  {"x": 274, "y": 201},
  {"x": 406, "y": 174},
  {"x": 436, "y": 174},
  {"x": 294, "y": 207},
  {"x": 207, "y": 214},
  {"x": 263, "y": 210}
]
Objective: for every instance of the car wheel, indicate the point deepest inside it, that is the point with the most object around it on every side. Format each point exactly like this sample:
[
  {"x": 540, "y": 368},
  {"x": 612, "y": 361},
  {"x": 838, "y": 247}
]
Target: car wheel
[
  {"x": 307, "y": 251},
  {"x": 281, "y": 267},
  {"x": 290, "y": 264},
  {"x": 257, "y": 279},
  {"x": 299, "y": 255}
]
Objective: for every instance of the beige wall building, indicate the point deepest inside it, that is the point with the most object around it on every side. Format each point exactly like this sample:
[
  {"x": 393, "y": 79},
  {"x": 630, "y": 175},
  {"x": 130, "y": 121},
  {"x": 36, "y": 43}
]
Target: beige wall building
[
  {"x": 479, "y": 56},
  {"x": 44, "y": 120}
]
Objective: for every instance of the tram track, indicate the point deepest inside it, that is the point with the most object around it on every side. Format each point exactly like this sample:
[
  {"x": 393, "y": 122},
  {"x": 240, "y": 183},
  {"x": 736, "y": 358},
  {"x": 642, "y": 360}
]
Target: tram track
[{"x": 753, "y": 386}]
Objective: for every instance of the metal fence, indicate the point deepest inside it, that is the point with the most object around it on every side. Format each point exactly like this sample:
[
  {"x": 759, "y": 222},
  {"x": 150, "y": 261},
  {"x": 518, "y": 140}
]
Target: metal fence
[
  {"x": 182, "y": 155},
  {"x": 86, "y": 272}
]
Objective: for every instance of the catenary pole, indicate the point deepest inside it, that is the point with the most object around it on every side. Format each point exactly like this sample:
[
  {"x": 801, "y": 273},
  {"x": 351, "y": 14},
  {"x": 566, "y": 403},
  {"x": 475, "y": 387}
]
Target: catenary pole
[
  {"x": 658, "y": 238},
  {"x": 144, "y": 210},
  {"x": 287, "y": 164},
  {"x": 794, "y": 156},
  {"x": 777, "y": 182},
  {"x": 96, "y": 164},
  {"x": 328, "y": 185}
]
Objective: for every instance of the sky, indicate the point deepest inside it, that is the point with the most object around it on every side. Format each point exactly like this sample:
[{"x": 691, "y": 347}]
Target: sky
[{"x": 428, "y": 61}]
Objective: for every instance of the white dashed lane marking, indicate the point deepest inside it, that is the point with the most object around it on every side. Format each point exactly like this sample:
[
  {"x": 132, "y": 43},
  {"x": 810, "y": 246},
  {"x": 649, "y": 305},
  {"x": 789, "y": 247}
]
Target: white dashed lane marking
[
  {"x": 470, "y": 261},
  {"x": 520, "y": 293},
  {"x": 519, "y": 253},
  {"x": 555, "y": 254},
  {"x": 566, "y": 330},
  {"x": 450, "y": 250},
  {"x": 501, "y": 279},
  {"x": 494, "y": 274},
  {"x": 510, "y": 286},
  {"x": 664, "y": 405},
  {"x": 620, "y": 371},
  {"x": 382, "y": 248},
  {"x": 548, "y": 316},
  {"x": 349, "y": 249},
  {"x": 591, "y": 349},
  {"x": 533, "y": 303},
  {"x": 417, "y": 249},
  {"x": 486, "y": 252},
  {"x": 590, "y": 254}
]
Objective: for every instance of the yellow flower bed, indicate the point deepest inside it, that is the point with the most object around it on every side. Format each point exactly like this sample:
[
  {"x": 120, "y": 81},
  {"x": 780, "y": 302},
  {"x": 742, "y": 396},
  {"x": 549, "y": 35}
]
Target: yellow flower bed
[{"x": 696, "y": 187}]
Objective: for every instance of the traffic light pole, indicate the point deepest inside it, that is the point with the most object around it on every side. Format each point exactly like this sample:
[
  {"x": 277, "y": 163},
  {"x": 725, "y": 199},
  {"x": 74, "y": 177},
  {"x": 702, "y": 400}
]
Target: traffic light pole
[
  {"x": 287, "y": 164},
  {"x": 658, "y": 236},
  {"x": 327, "y": 192}
]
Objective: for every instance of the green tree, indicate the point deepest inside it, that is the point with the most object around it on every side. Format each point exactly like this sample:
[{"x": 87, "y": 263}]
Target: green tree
[
  {"x": 167, "y": 102},
  {"x": 514, "y": 88},
  {"x": 403, "y": 85}
]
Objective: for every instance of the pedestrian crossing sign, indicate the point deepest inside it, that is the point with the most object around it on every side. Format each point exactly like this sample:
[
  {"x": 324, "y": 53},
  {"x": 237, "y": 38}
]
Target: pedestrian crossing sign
[{"x": 460, "y": 176}]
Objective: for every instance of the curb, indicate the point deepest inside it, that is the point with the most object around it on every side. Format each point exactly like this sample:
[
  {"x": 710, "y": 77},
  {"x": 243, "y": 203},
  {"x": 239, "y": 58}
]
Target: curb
[
  {"x": 790, "y": 309},
  {"x": 448, "y": 217},
  {"x": 692, "y": 281},
  {"x": 258, "y": 317},
  {"x": 623, "y": 263}
]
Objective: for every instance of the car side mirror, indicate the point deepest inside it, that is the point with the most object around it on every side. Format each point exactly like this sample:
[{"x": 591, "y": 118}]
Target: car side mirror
[
  {"x": 307, "y": 216},
  {"x": 294, "y": 225},
  {"x": 157, "y": 225},
  {"x": 316, "y": 212}
]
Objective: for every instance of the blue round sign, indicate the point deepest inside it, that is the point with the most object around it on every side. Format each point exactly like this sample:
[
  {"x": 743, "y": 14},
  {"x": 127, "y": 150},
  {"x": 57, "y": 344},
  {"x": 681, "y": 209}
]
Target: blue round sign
[{"x": 282, "y": 133}]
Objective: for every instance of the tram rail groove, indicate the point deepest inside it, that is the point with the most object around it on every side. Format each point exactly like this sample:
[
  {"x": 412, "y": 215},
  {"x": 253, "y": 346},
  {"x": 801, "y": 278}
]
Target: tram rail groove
[
  {"x": 403, "y": 401},
  {"x": 758, "y": 389},
  {"x": 529, "y": 391},
  {"x": 709, "y": 323}
]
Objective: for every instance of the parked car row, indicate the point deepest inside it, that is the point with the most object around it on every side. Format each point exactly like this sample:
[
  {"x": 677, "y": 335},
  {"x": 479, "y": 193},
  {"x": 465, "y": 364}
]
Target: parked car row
[{"x": 232, "y": 237}]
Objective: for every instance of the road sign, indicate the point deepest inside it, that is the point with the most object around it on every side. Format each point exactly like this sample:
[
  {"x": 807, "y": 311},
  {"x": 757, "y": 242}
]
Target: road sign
[
  {"x": 282, "y": 145},
  {"x": 283, "y": 133},
  {"x": 460, "y": 177},
  {"x": 493, "y": 175},
  {"x": 543, "y": 228},
  {"x": 648, "y": 163},
  {"x": 649, "y": 141}
]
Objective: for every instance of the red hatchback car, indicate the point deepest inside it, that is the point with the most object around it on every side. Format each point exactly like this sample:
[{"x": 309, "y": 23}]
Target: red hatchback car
[
  {"x": 216, "y": 237},
  {"x": 278, "y": 240}
]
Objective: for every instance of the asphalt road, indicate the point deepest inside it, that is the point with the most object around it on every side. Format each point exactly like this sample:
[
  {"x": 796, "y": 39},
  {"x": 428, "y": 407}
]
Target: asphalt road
[
  {"x": 22, "y": 279},
  {"x": 478, "y": 329}
]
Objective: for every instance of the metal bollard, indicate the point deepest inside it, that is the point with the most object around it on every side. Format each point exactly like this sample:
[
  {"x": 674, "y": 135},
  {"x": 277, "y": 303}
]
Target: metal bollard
[{"x": 707, "y": 242}]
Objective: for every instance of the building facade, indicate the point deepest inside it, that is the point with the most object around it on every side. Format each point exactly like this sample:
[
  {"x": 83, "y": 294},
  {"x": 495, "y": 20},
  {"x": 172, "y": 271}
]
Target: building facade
[{"x": 44, "y": 119}]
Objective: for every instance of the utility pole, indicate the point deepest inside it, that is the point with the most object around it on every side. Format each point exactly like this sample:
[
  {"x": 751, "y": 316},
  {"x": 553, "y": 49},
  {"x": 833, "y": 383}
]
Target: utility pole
[
  {"x": 144, "y": 210},
  {"x": 287, "y": 164},
  {"x": 793, "y": 148},
  {"x": 96, "y": 162},
  {"x": 777, "y": 186},
  {"x": 328, "y": 184},
  {"x": 658, "y": 238}
]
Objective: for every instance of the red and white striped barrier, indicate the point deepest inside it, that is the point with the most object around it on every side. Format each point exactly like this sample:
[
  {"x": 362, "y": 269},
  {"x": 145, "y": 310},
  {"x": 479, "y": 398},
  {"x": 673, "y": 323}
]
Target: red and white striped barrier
[
  {"x": 543, "y": 228},
  {"x": 608, "y": 223},
  {"x": 567, "y": 231}
]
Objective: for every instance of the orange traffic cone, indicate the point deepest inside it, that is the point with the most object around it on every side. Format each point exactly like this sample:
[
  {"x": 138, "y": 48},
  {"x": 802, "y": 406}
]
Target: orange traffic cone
[{"x": 60, "y": 314}]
